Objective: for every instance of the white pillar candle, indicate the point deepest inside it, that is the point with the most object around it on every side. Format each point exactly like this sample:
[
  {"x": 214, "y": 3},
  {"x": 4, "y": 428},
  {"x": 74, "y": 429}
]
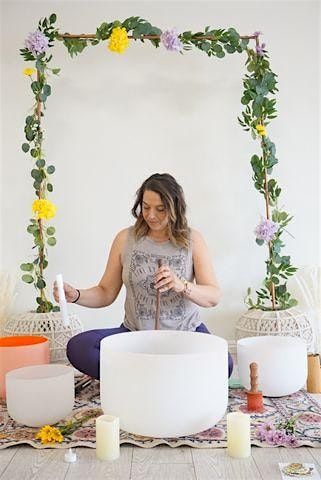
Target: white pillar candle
[
  {"x": 238, "y": 435},
  {"x": 62, "y": 300},
  {"x": 107, "y": 437}
]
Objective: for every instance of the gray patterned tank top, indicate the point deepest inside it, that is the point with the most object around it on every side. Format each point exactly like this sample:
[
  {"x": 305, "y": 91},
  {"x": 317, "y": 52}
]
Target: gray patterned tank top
[{"x": 140, "y": 260}]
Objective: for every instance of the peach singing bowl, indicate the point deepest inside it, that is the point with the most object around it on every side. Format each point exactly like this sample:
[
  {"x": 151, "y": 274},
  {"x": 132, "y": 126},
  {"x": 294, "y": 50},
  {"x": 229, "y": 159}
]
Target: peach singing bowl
[{"x": 21, "y": 351}]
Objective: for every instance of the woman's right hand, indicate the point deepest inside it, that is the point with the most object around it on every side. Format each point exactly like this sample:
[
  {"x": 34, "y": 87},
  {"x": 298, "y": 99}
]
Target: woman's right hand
[{"x": 70, "y": 292}]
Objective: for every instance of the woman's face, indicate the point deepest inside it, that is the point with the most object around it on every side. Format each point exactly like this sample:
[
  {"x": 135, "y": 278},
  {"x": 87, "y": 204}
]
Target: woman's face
[{"x": 154, "y": 212}]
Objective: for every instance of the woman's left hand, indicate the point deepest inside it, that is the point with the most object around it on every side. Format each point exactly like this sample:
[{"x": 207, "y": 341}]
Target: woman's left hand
[{"x": 166, "y": 280}]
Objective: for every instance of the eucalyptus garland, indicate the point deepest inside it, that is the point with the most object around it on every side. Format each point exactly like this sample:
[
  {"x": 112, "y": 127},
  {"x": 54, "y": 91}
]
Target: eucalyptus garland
[{"x": 259, "y": 108}]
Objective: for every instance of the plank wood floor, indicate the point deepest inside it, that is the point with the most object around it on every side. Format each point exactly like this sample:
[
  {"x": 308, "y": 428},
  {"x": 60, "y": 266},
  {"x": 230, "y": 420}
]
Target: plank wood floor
[{"x": 159, "y": 463}]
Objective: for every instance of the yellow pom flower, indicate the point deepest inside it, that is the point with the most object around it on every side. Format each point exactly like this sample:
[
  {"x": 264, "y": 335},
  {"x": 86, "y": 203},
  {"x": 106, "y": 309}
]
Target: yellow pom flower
[
  {"x": 261, "y": 130},
  {"x": 29, "y": 71},
  {"x": 118, "y": 40},
  {"x": 48, "y": 434},
  {"x": 43, "y": 209}
]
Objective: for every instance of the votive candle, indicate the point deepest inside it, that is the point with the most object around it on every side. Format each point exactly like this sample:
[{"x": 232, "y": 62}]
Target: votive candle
[
  {"x": 238, "y": 435},
  {"x": 107, "y": 437}
]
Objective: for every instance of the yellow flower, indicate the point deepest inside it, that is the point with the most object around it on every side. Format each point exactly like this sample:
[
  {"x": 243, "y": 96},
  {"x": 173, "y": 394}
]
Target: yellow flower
[
  {"x": 43, "y": 209},
  {"x": 261, "y": 130},
  {"x": 118, "y": 40},
  {"x": 29, "y": 71},
  {"x": 48, "y": 434}
]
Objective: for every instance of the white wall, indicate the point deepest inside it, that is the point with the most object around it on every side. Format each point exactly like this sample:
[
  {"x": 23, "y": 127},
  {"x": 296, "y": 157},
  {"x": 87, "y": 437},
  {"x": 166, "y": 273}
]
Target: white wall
[{"x": 113, "y": 120}]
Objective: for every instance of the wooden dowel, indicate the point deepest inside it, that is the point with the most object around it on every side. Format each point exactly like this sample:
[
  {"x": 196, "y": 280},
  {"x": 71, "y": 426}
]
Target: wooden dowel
[{"x": 157, "y": 322}]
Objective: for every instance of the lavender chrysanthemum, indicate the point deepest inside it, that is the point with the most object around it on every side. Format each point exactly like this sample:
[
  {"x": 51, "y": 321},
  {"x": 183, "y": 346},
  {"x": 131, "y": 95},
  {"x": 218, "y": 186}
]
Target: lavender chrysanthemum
[
  {"x": 170, "y": 40},
  {"x": 260, "y": 49},
  {"x": 266, "y": 230},
  {"x": 37, "y": 42}
]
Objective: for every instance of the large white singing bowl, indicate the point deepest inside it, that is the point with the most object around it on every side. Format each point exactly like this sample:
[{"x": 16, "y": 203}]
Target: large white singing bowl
[
  {"x": 164, "y": 383},
  {"x": 282, "y": 363},
  {"x": 40, "y": 394}
]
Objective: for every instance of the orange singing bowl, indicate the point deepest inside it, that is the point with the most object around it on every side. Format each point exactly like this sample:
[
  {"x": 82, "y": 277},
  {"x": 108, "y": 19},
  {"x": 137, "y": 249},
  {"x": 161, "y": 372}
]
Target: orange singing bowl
[{"x": 21, "y": 351}]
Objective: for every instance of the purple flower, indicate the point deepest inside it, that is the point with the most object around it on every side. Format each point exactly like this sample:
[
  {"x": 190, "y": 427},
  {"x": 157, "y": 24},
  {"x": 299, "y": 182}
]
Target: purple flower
[
  {"x": 260, "y": 49},
  {"x": 279, "y": 438},
  {"x": 265, "y": 432},
  {"x": 37, "y": 42},
  {"x": 266, "y": 230},
  {"x": 291, "y": 441},
  {"x": 170, "y": 40}
]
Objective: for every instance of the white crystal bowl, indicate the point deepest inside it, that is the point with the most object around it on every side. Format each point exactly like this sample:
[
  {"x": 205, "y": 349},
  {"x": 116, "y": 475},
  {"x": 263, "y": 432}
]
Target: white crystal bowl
[
  {"x": 164, "y": 383},
  {"x": 282, "y": 363},
  {"x": 41, "y": 394}
]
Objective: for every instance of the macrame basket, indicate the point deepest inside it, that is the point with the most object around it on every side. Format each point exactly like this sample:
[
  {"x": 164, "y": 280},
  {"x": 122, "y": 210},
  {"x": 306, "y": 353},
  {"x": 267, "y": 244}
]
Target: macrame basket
[
  {"x": 49, "y": 325},
  {"x": 292, "y": 322}
]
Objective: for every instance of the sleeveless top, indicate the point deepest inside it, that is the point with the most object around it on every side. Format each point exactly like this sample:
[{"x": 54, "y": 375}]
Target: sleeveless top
[{"x": 140, "y": 262}]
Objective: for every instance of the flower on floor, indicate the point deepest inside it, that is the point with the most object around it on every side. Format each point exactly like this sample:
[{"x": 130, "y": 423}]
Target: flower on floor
[
  {"x": 49, "y": 435},
  {"x": 43, "y": 208},
  {"x": 282, "y": 434},
  {"x": 118, "y": 40}
]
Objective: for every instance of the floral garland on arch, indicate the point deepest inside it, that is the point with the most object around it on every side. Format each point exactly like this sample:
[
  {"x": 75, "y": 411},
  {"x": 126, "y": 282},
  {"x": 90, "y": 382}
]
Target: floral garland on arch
[{"x": 258, "y": 100}]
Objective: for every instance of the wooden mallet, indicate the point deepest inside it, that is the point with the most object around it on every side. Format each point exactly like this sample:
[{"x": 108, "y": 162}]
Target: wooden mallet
[{"x": 254, "y": 396}]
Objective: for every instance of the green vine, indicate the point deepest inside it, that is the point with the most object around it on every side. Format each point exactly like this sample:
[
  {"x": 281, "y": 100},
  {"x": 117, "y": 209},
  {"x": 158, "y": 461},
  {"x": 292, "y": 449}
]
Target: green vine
[{"x": 259, "y": 108}]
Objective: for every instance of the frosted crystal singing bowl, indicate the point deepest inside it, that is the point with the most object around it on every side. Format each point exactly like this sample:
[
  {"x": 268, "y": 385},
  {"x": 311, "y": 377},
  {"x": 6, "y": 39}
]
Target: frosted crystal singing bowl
[
  {"x": 41, "y": 394},
  {"x": 282, "y": 363},
  {"x": 164, "y": 383}
]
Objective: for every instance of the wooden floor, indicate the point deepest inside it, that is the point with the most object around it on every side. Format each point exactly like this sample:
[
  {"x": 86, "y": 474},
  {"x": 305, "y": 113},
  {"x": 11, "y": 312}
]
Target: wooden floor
[{"x": 159, "y": 463}]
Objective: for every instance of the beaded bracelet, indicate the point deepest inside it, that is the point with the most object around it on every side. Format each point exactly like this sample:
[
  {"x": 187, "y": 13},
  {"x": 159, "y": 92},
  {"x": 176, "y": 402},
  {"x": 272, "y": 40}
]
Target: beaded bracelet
[
  {"x": 78, "y": 296},
  {"x": 187, "y": 287}
]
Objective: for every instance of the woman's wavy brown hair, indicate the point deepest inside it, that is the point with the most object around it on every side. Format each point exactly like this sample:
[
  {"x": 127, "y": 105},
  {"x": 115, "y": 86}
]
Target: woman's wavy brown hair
[{"x": 172, "y": 196}]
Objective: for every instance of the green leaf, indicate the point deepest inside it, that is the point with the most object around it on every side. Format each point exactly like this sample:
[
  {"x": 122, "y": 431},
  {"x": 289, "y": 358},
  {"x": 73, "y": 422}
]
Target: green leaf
[
  {"x": 46, "y": 90},
  {"x": 36, "y": 174},
  {"x": 52, "y": 18},
  {"x": 26, "y": 267},
  {"x": 51, "y": 241},
  {"x": 49, "y": 187},
  {"x": 30, "y": 135},
  {"x": 40, "y": 163},
  {"x": 259, "y": 242},
  {"x": 34, "y": 152},
  {"x": 27, "y": 278},
  {"x": 41, "y": 283},
  {"x": 55, "y": 71},
  {"x": 51, "y": 169},
  {"x": 25, "y": 147},
  {"x": 33, "y": 229},
  {"x": 51, "y": 230}
]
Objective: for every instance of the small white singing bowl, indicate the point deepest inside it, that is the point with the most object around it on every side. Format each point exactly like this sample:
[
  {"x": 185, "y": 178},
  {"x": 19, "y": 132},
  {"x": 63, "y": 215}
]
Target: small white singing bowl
[
  {"x": 164, "y": 383},
  {"x": 41, "y": 394},
  {"x": 282, "y": 363}
]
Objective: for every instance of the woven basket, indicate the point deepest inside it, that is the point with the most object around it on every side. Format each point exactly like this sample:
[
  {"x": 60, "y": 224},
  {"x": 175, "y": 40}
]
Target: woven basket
[
  {"x": 49, "y": 325},
  {"x": 292, "y": 322}
]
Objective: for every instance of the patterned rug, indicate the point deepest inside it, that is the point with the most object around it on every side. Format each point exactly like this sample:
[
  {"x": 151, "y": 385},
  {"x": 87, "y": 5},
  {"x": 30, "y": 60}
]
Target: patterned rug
[{"x": 87, "y": 406}]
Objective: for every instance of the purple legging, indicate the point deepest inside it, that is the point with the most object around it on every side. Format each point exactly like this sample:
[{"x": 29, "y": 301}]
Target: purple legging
[{"x": 83, "y": 350}]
